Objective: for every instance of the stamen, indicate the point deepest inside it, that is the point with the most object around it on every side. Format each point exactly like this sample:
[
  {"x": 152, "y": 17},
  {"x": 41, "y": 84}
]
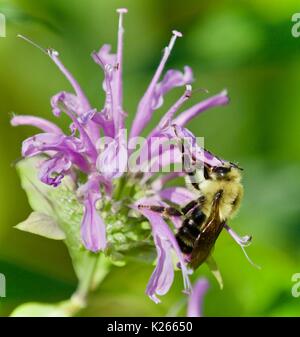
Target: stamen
[
  {"x": 53, "y": 54},
  {"x": 177, "y": 33},
  {"x": 122, "y": 10},
  {"x": 45, "y": 51},
  {"x": 243, "y": 242},
  {"x": 249, "y": 260},
  {"x": 169, "y": 48},
  {"x": 119, "y": 118},
  {"x": 188, "y": 90},
  {"x": 206, "y": 91},
  {"x": 187, "y": 115},
  {"x": 145, "y": 101},
  {"x": 54, "y": 57},
  {"x": 166, "y": 120}
]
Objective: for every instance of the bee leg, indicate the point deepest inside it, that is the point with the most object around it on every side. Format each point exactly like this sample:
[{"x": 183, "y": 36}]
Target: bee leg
[
  {"x": 188, "y": 207},
  {"x": 217, "y": 197},
  {"x": 194, "y": 176},
  {"x": 166, "y": 212},
  {"x": 192, "y": 204}
]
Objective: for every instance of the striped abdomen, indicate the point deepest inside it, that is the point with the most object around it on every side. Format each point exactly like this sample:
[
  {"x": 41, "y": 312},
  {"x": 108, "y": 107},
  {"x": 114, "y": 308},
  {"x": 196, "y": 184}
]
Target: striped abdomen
[{"x": 190, "y": 230}]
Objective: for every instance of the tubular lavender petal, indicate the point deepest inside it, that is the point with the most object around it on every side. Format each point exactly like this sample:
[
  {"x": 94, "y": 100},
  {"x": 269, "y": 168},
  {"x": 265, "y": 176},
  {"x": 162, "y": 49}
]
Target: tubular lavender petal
[
  {"x": 186, "y": 116},
  {"x": 196, "y": 298},
  {"x": 53, "y": 54},
  {"x": 38, "y": 122},
  {"x": 167, "y": 118},
  {"x": 242, "y": 242}
]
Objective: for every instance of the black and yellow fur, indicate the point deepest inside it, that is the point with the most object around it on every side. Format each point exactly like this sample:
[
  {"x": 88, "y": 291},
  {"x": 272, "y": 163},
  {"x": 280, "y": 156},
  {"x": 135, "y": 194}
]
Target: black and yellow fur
[{"x": 220, "y": 194}]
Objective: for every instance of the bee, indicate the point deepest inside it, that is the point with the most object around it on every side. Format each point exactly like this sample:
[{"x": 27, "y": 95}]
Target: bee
[{"x": 220, "y": 193}]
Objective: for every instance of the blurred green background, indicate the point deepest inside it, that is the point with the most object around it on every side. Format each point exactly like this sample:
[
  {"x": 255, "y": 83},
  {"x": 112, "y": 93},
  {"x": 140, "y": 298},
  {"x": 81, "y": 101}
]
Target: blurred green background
[{"x": 244, "y": 46}]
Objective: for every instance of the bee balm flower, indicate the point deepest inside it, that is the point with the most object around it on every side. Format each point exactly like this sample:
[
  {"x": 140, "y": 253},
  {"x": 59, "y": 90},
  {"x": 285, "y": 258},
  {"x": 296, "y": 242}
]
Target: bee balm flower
[{"x": 107, "y": 189}]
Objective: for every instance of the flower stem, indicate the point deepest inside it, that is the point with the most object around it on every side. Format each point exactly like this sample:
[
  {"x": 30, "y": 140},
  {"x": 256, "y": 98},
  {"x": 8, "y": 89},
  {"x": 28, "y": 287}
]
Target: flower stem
[{"x": 96, "y": 271}]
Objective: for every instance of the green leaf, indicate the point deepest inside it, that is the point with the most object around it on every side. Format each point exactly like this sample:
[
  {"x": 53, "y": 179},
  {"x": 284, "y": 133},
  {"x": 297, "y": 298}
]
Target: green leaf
[
  {"x": 37, "y": 192},
  {"x": 62, "y": 205},
  {"x": 43, "y": 225},
  {"x": 213, "y": 267}
]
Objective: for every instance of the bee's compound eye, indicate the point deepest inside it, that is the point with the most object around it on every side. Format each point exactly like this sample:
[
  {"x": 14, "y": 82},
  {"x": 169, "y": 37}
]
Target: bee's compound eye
[{"x": 221, "y": 170}]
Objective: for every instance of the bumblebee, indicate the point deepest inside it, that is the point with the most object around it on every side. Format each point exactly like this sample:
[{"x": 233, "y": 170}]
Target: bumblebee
[{"x": 220, "y": 193}]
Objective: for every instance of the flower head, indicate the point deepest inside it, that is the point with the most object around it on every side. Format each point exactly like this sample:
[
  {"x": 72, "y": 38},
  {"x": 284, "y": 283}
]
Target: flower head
[{"x": 108, "y": 188}]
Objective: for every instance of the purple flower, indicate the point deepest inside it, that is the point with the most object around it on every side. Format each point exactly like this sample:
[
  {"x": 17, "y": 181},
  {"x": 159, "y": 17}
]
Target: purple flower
[
  {"x": 93, "y": 228},
  {"x": 112, "y": 161},
  {"x": 101, "y": 170},
  {"x": 196, "y": 298},
  {"x": 165, "y": 242}
]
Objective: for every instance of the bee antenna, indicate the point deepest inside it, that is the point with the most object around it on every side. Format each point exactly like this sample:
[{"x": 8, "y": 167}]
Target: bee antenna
[{"x": 236, "y": 166}]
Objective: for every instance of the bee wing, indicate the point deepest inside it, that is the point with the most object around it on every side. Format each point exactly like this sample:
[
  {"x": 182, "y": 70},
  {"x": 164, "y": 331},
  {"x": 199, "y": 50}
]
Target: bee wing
[{"x": 208, "y": 234}]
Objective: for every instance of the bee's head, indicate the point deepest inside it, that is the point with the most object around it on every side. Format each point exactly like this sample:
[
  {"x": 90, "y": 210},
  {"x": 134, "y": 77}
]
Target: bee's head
[{"x": 228, "y": 172}]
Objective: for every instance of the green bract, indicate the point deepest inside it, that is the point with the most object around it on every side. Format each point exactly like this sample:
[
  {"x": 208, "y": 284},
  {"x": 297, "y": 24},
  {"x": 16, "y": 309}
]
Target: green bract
[{"x": 57, "y": 214}]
